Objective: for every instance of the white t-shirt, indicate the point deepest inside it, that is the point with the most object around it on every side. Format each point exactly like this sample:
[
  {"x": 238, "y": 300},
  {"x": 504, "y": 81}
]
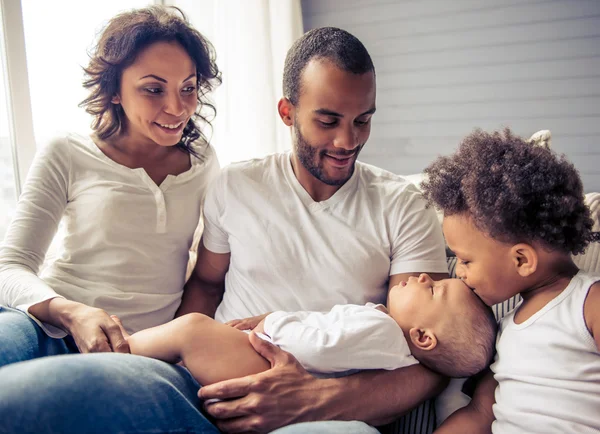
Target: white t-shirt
[
  {"x": 346, "y": 338},
  {"x": 291, "y": 253},
  {"x": 548, "y": 368},
  {"x": 127, "y": 240}
]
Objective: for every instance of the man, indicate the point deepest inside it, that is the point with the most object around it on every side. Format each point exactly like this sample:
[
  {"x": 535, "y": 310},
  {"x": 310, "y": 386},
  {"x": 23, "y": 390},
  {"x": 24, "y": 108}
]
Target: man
[{"x": 307, "y": 230}]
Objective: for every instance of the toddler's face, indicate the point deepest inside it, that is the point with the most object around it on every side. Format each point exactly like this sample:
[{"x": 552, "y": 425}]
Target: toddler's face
[
  {"x": 424, "y": 303},
  {"x": 484, "y": 264}
]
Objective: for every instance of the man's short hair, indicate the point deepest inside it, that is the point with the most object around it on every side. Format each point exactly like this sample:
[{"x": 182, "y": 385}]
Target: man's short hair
[{"x": 329, "y": 43}]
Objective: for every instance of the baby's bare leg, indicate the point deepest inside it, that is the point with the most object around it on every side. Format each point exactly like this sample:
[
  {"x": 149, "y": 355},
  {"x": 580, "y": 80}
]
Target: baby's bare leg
[{"x": 212, "y": 351}]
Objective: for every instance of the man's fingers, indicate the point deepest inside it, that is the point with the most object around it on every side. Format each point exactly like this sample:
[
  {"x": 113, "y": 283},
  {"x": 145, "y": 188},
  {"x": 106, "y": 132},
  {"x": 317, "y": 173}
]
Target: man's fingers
[
  {"x": 115, "y": 337},
  {"x": 227, "y": 389},
  {"x": 272, "y": 353}
]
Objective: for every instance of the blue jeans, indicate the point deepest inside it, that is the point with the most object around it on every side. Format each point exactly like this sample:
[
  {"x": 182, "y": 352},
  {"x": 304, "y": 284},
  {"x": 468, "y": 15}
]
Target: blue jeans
[{"x": 102, "y": 392}]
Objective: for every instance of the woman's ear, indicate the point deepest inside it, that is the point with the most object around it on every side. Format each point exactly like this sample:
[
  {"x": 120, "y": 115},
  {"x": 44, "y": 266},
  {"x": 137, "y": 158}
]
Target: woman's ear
[
  {"x": 423, "y": 339},
  {"x": 285, "y": 109},
  {"x": 116, "y": 99},
  {"x": 524, "y": 258}
]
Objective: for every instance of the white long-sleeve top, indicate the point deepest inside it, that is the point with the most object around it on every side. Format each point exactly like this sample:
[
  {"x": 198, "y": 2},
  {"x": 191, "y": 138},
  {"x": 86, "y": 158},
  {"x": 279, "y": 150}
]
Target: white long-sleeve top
[
  {"x": 347, "y": 337},
  {"x": 127, "y": 240}
]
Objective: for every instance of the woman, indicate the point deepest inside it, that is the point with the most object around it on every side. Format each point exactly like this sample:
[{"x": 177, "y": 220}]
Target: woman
[{"x": 130, "y": 198}]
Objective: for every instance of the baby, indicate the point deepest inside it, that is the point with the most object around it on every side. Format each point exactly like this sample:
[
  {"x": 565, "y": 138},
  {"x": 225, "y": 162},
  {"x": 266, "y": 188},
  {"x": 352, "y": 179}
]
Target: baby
[{"x": 441, "y": 324}]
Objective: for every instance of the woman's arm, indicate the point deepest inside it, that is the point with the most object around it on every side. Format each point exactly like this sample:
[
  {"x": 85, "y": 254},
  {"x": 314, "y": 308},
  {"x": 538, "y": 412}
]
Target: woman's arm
[{"x": 38, "y": 213}]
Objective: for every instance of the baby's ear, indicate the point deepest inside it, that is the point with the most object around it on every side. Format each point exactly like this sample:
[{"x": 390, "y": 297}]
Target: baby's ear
[
  {"x": 423, "y": 339},
  {"x": 524, "y": 258}
]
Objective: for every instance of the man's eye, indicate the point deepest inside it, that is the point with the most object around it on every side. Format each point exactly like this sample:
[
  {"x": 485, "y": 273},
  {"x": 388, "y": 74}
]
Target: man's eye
[{"x": 328, "y": 124}]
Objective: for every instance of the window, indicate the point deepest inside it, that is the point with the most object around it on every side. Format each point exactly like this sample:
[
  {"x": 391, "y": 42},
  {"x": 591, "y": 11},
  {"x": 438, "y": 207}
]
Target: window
[
  {"x": 7, "y": 174},
  {"x": 58, "y": 36}
]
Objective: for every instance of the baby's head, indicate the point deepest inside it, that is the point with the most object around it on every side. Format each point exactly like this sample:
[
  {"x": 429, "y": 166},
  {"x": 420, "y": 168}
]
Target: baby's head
[
  {"x": 513, "y": 212},
  {"x": 448, "y": 328}
]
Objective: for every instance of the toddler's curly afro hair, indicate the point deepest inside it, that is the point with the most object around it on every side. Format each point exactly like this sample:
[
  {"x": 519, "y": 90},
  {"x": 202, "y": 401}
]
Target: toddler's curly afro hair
[{"x": 513, "y": 191}]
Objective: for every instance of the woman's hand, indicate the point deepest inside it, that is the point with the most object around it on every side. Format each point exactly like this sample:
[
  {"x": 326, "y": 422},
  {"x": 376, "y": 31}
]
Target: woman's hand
[
  {"x": 247, "y": 323},
  {"x": 93, "y": 330}
]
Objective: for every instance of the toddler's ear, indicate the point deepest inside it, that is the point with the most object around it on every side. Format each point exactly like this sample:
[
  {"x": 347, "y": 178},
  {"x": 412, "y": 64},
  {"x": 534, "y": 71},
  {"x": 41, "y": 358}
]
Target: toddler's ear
[
  {"x": 524, "y": 258},
  {"x": 423, "y": 339}
]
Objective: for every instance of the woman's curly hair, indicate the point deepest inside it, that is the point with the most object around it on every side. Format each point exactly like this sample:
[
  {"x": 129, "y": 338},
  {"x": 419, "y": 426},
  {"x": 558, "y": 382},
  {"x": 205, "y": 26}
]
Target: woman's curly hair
[
  {"x": 124, "y": 37},
  {"x": 513, "y": 191}
]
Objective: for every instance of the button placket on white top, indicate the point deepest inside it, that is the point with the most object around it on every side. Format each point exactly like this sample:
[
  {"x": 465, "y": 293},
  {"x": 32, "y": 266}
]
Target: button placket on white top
[{"x": 159, "y": 199}]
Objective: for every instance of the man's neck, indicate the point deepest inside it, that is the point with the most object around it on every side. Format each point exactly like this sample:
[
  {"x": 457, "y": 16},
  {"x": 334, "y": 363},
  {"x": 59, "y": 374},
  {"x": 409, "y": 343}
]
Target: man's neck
[{"x": 318, "y": 190}]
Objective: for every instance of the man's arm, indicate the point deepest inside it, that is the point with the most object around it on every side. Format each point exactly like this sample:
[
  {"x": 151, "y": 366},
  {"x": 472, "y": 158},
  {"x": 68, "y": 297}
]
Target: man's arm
[
  {"x": 287, "y": 393},
  {"x": 204, "y": 290},
  {"x": 478, "y": 416}
]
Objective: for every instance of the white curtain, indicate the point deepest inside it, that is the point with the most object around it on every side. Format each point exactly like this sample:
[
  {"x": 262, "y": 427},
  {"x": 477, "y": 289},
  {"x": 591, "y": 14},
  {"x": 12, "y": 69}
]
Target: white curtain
[{"x": 251, "y": 38}]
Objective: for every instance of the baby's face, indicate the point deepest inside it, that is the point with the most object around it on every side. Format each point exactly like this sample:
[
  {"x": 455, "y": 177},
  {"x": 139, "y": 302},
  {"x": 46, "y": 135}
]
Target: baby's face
[{"x": 424, "y": 303}]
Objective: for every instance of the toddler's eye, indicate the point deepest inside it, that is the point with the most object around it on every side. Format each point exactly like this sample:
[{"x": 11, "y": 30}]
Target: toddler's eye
[{"x": 432, "y": 290}]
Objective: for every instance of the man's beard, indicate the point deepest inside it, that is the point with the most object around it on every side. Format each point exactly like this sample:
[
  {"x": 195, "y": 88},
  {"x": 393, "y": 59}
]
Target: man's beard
[{"x": 307, "y": 155}]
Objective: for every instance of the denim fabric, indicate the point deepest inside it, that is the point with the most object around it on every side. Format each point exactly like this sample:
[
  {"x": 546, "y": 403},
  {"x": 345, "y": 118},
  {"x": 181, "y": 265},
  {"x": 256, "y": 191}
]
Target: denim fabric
[
  {"x": 328, "y": 427},
  {"x": 101, "y": 392},
  {"x": 22, "y": 339}
]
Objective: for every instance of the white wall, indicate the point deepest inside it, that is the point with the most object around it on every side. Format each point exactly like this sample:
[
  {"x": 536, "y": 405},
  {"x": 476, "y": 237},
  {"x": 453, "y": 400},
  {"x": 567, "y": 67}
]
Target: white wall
[{"x": 445, "y": 67}]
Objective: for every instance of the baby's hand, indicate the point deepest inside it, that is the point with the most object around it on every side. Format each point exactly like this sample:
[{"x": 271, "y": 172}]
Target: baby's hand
[{"x": 247, "y": 323}]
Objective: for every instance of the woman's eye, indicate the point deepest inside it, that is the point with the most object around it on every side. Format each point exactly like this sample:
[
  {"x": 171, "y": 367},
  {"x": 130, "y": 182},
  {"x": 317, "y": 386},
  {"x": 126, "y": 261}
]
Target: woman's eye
[
  {"x": 153, "y": 90},
  {"x": 189, "y": 89}
]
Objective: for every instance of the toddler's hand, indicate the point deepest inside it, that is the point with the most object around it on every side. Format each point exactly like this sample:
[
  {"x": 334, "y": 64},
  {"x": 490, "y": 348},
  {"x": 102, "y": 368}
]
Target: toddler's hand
[{"x": 247, "y": 323}]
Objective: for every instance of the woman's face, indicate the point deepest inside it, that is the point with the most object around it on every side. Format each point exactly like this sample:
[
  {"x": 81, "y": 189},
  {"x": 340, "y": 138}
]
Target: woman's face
[{"x": 158, "y": 94}]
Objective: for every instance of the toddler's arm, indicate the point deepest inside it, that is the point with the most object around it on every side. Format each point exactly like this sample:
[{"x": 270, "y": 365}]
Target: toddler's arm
[
  {"x": 477, "y": 417},
  {"x": 591, "y": 312}
]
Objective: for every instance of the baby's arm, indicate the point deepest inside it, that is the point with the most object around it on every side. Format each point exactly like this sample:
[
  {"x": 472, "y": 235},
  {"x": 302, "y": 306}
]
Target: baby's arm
[
  {"x": 477, "y": 417},
  {"x": 212, "y": 351},
  {"x": 591, "y": 312}
]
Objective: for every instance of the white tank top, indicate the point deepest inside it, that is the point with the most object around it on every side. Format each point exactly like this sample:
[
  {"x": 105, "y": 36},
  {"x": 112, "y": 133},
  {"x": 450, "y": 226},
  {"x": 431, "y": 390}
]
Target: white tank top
[{"x": 548, "y": 368}]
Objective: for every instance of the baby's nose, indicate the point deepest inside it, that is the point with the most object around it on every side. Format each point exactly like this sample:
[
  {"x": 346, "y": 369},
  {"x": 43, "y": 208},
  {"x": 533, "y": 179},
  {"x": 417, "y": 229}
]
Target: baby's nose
[{"x": 424, "y": 278}]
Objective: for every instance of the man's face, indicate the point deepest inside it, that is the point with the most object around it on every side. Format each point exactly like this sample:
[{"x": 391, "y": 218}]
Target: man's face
[
  {"x": 484, "y": 264},
  {"x": 332, "y": 120}
]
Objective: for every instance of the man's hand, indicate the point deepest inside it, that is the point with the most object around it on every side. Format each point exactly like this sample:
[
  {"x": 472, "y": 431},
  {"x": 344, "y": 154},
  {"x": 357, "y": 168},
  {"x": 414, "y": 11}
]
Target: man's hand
[
  {"x": 283, "y": 395},
  {"x": 247, "y": 323}
]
